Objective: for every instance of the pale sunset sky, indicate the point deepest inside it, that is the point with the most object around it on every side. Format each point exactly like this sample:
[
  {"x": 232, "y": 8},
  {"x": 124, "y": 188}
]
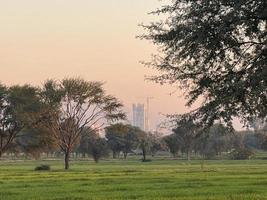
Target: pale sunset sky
[{"x": 92, "y": 39}]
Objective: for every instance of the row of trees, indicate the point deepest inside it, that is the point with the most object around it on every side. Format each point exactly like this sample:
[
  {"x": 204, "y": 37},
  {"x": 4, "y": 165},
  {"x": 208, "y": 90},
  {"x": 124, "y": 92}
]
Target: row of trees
[
  {"x": 60, "y": 109},
  {"x": 122, "y": 139},
  {"x": 215, "y": 141},
  {"x": 119, "y": 139}
]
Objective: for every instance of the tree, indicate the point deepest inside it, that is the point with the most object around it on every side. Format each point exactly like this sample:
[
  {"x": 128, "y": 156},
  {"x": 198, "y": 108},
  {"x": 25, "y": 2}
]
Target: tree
[
  {"x": 215, "y": 141},
  {"x": 237, "y": 141},
  {"x": 84, "y": 144},
  {"x": 187, "y": 132},
  {"x": 20, "y": 108},
  {"x": 122, "y": 138},
  {"x": 217, "y": 52},
  {"x": 74, "y": 104},
  {"x": 144, "y": 143},
  {"x": 132, "y": 139},
  {"x": 114, "y": 134},
  {"x": 262, "y": 137},
  {"x": 251, "y": 140},
  {"x": 94, "y": 145},
  {"x": 156, "y": 143},
  {"x": 98, "y": 149},
  {"x": 33, "y": 141},
  {"x": 173, "y": 144}
]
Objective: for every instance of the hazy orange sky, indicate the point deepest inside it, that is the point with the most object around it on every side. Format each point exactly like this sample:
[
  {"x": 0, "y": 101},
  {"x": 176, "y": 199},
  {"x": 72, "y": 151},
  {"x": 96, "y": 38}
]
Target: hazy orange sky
[{"x": 92, "y": 39}]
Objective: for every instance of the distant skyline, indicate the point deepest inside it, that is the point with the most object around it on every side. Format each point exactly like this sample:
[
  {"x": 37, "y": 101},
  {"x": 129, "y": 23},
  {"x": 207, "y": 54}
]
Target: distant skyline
[{"x": 95, "y": 40}]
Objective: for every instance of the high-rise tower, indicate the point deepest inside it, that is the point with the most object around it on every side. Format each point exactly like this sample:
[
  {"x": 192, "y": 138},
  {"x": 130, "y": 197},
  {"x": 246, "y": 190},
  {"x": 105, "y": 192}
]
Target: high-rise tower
[{"x": 139, "y": 116}]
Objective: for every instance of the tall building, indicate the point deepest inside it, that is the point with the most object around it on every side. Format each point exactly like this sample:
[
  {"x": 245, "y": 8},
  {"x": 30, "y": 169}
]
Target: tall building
[{"x": 139, "y": 116}]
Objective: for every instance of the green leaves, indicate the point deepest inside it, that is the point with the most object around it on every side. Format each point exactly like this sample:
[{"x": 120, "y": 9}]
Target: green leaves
[
  {"x": 20, "y": 107},
  {"x": 75, "y": 104},
  {"x": 216, "y": 51}
]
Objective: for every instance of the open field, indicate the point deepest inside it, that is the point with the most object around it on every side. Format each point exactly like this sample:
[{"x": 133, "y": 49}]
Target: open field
[{"x": 160, "y": 179}]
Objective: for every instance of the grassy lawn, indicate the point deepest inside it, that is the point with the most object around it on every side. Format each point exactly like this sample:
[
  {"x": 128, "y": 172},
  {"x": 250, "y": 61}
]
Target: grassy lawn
[{"x": 160, "y": 179}]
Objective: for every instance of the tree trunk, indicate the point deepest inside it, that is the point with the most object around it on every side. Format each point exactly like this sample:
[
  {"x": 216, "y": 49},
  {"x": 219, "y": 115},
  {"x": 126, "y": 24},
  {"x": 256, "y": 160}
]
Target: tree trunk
[
  {"x": 188, "y": 154},
  {"x": 67, "y": 159},
  {"x": 144, "y": 155},
  {"x": 114, "y": 154},
  {"x": 125, "y": 155}
]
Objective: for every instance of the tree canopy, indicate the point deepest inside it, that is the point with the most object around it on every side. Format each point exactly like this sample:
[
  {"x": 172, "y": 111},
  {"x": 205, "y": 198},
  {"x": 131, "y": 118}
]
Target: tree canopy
[
  {"x": 20, "y": 108},
  {"x": 217, "y": 52},
  {"x": 74, "y": 104},
  {"x": 122, "y": 138}
]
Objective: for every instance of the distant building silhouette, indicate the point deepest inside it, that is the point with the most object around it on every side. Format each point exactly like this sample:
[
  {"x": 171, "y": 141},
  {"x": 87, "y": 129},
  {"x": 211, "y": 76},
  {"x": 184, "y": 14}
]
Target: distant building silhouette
[{"x": 139, "y": 115}]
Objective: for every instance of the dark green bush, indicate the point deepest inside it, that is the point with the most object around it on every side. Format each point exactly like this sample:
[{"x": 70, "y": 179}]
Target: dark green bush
[
  {"x": 147, "y": 160},
  {"x": 241, "y": 154},
  {"x": 42, "y": 168}
]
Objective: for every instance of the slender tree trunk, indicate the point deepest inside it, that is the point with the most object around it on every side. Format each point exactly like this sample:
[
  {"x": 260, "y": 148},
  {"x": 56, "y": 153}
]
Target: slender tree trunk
[
  {"x": 114, "y": 154},
  {"x": 67, "y": 159},
  {"x": 144, "y": 155},
  {"x": 125, "y": 155},
  {"x": 189, "y": 154}
]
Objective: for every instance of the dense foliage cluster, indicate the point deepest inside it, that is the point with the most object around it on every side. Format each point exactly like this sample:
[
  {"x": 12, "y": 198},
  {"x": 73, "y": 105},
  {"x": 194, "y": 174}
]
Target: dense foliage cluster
[{"x": 216, "y": 51}]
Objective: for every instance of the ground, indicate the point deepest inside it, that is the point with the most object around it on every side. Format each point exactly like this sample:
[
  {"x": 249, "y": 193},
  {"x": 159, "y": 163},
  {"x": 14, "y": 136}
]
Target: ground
[{"x": 132, "y": 179}]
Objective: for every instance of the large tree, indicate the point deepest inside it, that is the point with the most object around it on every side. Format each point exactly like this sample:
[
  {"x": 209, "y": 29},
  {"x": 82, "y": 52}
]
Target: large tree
[
  {"x": 217, "y": 51},
  {"x": 20, "y": 108},
  {"x": 75, "y": 104}
]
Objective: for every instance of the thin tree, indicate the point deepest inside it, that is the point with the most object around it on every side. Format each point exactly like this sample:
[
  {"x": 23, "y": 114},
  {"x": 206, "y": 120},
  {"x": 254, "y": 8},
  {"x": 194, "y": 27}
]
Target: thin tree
[
  {"x": 144, "y": 143},
  {"x": 75, "y": 104},
  {"x": 187, "y": 132}
]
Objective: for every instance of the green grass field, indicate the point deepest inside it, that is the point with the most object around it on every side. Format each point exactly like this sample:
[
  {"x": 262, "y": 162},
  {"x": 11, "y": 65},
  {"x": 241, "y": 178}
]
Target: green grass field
[{"x": 156, "y": 180}]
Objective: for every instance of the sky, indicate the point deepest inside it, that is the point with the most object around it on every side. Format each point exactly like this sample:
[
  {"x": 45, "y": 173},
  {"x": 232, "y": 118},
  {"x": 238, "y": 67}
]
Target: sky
[{"x": 92, "y": 39}]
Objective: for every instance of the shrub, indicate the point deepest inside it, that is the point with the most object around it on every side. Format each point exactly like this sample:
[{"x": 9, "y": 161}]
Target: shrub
[
  {"x": 42, "y": 168},
  {"x": 241, "y": 154},
  {"x": 147, "y": 160}
]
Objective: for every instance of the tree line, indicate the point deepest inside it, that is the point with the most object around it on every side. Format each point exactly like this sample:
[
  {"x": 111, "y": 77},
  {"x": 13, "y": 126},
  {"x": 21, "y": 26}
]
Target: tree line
[
  {"x": 65, "y": 118},
  {"x": 59, "y": 109}
]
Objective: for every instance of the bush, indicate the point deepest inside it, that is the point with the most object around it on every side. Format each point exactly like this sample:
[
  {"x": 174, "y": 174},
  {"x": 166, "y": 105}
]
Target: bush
[
  {"x": 42, "y": 168},
  {"x": 147, "y": 160},
  {"x": 241, "y": 154}
]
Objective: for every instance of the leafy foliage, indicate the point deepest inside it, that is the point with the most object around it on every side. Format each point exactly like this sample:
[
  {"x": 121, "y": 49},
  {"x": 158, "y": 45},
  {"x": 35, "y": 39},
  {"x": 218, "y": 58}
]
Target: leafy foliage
[
  {"x": 187, "y": 133},
  {"x": 173, "y": 144},
  {"x": 217, "y": 52},
  {"x": 42, "y": 168},
  {"x": 216, "y": 140},
  {"x": 92, "y": 144},
  {"x": 241, "y": 154},
  {"x": 122, "y": 138},
  {"x": 34, "y": 141},
  {"x": 73, "y": 104},
  {"x": 20, "y": 107}
]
